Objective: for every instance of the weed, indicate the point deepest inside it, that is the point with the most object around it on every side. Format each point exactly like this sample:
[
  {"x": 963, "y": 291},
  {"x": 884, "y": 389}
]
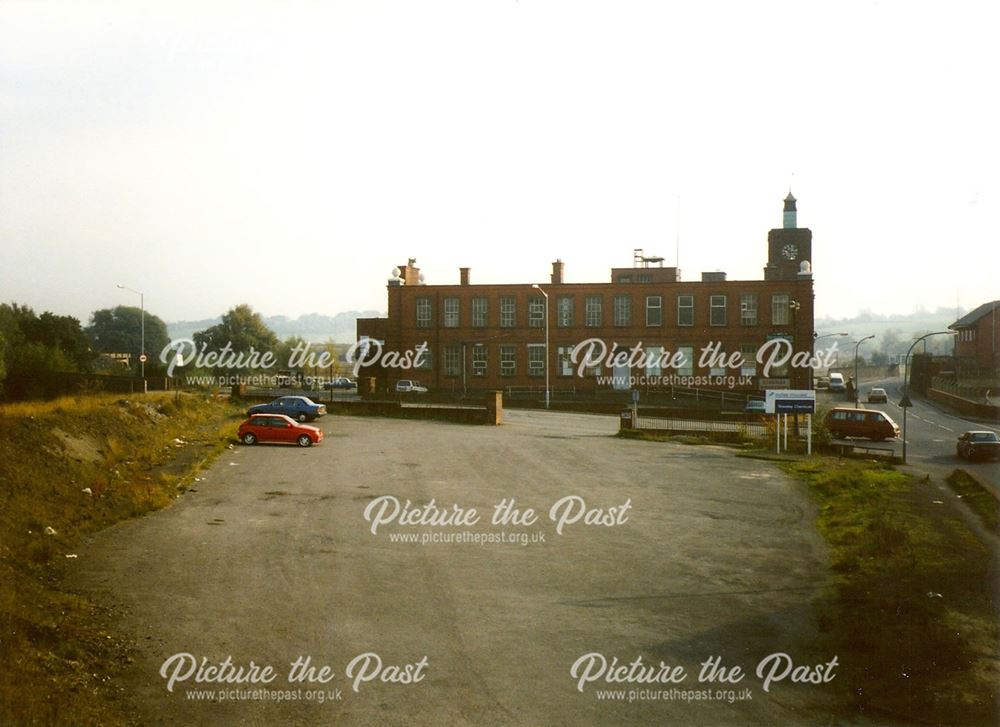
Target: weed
[{"x": 76, "y": 465}]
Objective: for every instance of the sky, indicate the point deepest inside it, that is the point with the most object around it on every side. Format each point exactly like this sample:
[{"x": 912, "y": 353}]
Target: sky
[{"x": 289, "y": 155}]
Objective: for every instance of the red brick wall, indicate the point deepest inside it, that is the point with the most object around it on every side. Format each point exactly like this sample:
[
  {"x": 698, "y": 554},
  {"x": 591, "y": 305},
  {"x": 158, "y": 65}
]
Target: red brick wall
[{"x": 403, "y": 334}]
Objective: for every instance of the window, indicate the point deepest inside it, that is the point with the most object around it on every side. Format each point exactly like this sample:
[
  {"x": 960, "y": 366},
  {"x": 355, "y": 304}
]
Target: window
[
  {"x": 717, "y": 310},
  {"x": 623, "y": 310},
  {"x": 426, "y": 361},
  {"x": 748, "y": 367},
  {"x": 564, "y": 362},
  {"x": 423, "y": 312},
  {"x": 592, "y": 311},
  {"x": 508, "y": 311},
  {"x": 508, "y": 360},
  {"x": 536, "y": 359},
  {"x": 480, "y": 308},
  {"x": 452, "y": 361},
  {"x": 686, "y": 359},
  {"x": 564, "y": 312},
  {"x": 536, "y": 312},
  {"x": 451, "y": 312},
  {"x": 718, "y": 370},
  {"x": 779, "y": 310},
  {"x": 653, "y": 356},
  {"x": 782, "y": 370},
  {"x": 479, "y": 356},
  {"x": 654, "y": 310},
  {"x": 685, "y": 310},
  {"x": 748, "y": 309}
]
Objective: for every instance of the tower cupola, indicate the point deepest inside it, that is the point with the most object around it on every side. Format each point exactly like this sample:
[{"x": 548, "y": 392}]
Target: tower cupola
[{"x": 789, "y": 221}]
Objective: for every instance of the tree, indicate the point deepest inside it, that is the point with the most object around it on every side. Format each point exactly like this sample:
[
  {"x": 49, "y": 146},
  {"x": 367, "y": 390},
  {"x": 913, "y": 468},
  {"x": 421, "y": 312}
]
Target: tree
[
  {"x": 3, "y": 359},
  {"x": 284, "y": 351},
  {"x": 120, "y": 330},
  {"x": 37, "y": 346},
  {"x": 241, "y": 331}
]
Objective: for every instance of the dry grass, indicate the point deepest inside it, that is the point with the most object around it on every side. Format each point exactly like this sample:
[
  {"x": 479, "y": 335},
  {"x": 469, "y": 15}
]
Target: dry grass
[
  {"x": 58, "y": 655},
  {"x": 910, "y": 614}
]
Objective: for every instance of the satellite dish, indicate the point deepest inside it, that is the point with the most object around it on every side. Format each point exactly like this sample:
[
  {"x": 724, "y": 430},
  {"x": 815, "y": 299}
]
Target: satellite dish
[
  {"x": 421, "y": 278},
  {"x": 805, "y": 267},
  {"x": 396, "y": 272}
]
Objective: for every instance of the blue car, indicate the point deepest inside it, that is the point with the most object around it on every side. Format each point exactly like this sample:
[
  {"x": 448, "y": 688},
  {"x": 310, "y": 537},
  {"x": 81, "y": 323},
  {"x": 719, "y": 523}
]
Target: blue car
[{"x": 299, "y": 408}]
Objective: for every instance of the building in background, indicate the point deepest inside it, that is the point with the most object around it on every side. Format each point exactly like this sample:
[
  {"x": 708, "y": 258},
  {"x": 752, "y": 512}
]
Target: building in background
[
  {"x": 976, "y": 345},
  {"x": 492, "y": 337}
]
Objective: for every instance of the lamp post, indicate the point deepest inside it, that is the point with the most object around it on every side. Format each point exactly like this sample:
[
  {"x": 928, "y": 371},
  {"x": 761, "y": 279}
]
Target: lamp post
[
  {"x": 142, "y": 328},
  {"x": 546, "y": 295},
  {"x": 812, "y": 353},
  {"x": 905, "y": 402},
  {"x": 856, "y": 381}
]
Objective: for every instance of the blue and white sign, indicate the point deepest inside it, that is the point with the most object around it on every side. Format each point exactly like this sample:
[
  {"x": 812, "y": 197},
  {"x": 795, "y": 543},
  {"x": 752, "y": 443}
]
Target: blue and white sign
[{"x": 790, "y": 401}]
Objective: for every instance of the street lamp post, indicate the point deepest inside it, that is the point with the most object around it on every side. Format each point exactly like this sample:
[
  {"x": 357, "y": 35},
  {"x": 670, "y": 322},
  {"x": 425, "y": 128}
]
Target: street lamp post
[
  {"x": 546, "y": 295},
  {"x": 856, "y": 380},
  {"x": 142, "y": 328},
  {"x": 905, "y": 402}
]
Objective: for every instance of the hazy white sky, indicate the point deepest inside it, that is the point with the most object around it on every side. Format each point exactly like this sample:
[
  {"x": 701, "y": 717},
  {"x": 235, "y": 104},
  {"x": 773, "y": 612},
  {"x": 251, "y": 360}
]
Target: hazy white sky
[{"x": 290, "y": 154}]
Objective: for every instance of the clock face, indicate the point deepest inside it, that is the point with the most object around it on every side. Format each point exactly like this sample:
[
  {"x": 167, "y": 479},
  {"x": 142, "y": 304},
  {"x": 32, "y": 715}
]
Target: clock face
[{"x": 789, "y": 251}]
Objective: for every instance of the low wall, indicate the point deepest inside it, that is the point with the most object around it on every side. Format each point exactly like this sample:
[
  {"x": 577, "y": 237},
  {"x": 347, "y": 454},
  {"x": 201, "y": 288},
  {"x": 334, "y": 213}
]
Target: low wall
[
  {"x": 964, "y": 406},
  {"x": 49, "y": 385},
  {"x": 491, "y": 412},
  {"x": 865, "y": 373}
]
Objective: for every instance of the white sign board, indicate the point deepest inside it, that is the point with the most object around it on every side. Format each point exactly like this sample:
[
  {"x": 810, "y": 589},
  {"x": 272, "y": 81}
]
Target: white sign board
[{"x": 791, "y": 401}]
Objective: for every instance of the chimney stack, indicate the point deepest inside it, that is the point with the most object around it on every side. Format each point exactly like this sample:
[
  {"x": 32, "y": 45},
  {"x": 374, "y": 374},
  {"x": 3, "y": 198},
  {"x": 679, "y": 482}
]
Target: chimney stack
[
  {"x": 463, "y": 276},
  {"x": 410, "y": 273},
  {"x": 557, "y": 272}
]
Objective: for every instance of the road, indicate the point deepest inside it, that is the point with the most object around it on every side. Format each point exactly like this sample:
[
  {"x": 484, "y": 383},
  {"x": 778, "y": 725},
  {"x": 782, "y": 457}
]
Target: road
[
  {"x": 270, "y": 559},
  {"x": 930, "y": 433}
]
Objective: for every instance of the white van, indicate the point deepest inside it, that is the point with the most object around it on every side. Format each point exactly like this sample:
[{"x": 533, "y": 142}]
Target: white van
[{"x": 837, "y": 383}]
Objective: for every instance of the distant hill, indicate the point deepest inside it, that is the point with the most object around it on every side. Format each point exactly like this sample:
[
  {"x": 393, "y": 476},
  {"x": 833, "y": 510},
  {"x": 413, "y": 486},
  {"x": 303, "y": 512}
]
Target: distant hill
[
  {"x": 313, "y": 327},
  {"x": 893, "y": 333}
]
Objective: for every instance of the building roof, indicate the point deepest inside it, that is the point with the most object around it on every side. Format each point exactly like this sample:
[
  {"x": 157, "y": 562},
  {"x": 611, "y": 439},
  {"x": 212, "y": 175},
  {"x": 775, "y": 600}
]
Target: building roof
[{"x": 970, "y": 318}]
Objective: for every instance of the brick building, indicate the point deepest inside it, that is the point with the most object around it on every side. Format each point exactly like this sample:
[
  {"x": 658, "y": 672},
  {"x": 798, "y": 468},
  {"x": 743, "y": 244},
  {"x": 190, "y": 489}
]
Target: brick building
[
  {"x": 481, "y": 337},
  {"x": 976, "y": 345}
]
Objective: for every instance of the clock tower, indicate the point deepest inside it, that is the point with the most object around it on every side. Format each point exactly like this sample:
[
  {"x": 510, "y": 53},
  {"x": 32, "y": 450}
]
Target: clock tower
[{"x": 788, "y": 247}]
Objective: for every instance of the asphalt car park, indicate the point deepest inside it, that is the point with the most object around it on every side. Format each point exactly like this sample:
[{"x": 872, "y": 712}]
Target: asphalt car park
[{"x": 670, "y": 553}]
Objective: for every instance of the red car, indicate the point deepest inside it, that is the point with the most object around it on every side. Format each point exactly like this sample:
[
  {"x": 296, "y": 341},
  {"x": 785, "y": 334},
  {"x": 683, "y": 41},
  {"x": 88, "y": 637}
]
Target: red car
[{"x": 278, "y": 428}]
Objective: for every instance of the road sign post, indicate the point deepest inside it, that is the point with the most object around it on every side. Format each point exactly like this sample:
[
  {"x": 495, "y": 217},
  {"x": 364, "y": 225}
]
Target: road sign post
[{"x": 790, "y": 401}]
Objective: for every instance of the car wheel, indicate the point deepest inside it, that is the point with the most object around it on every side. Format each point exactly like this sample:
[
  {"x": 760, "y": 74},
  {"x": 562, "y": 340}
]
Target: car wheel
[
  {"x": 249, "y": 438},
  {"x": 305, "y": 440},
  {"x": 301, "y": 417}
]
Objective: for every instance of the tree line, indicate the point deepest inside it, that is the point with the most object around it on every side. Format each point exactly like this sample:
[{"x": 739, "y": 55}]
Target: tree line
[{"x": 35, "y": 347}]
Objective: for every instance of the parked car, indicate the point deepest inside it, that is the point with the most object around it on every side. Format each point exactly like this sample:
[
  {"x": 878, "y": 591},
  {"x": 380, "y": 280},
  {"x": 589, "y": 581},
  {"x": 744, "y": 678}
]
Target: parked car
[
  {"x": 755, "y": 406},
  {"x": 822, "y": 382},
  {"x": 278, "y": 428},
  {"x": 410, "y": 386},
  {"x": 340, "y": 382},
  {"x": 865, "y": 423},
  {"x": 837, "y": 384},
  {"x": 877, "y": 395},
  {"x": 978, "y": 445},
  {"x": 300, "y": 408}
]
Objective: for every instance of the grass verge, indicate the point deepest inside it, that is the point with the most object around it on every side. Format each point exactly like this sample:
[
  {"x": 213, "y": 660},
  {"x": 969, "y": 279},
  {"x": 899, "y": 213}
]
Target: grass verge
[
  {"x": 665, "y": 435},
  {"x": 69, "y": 468},
  {"x": 910, "y": 611},
  {"x": 979, "y": 500}
]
